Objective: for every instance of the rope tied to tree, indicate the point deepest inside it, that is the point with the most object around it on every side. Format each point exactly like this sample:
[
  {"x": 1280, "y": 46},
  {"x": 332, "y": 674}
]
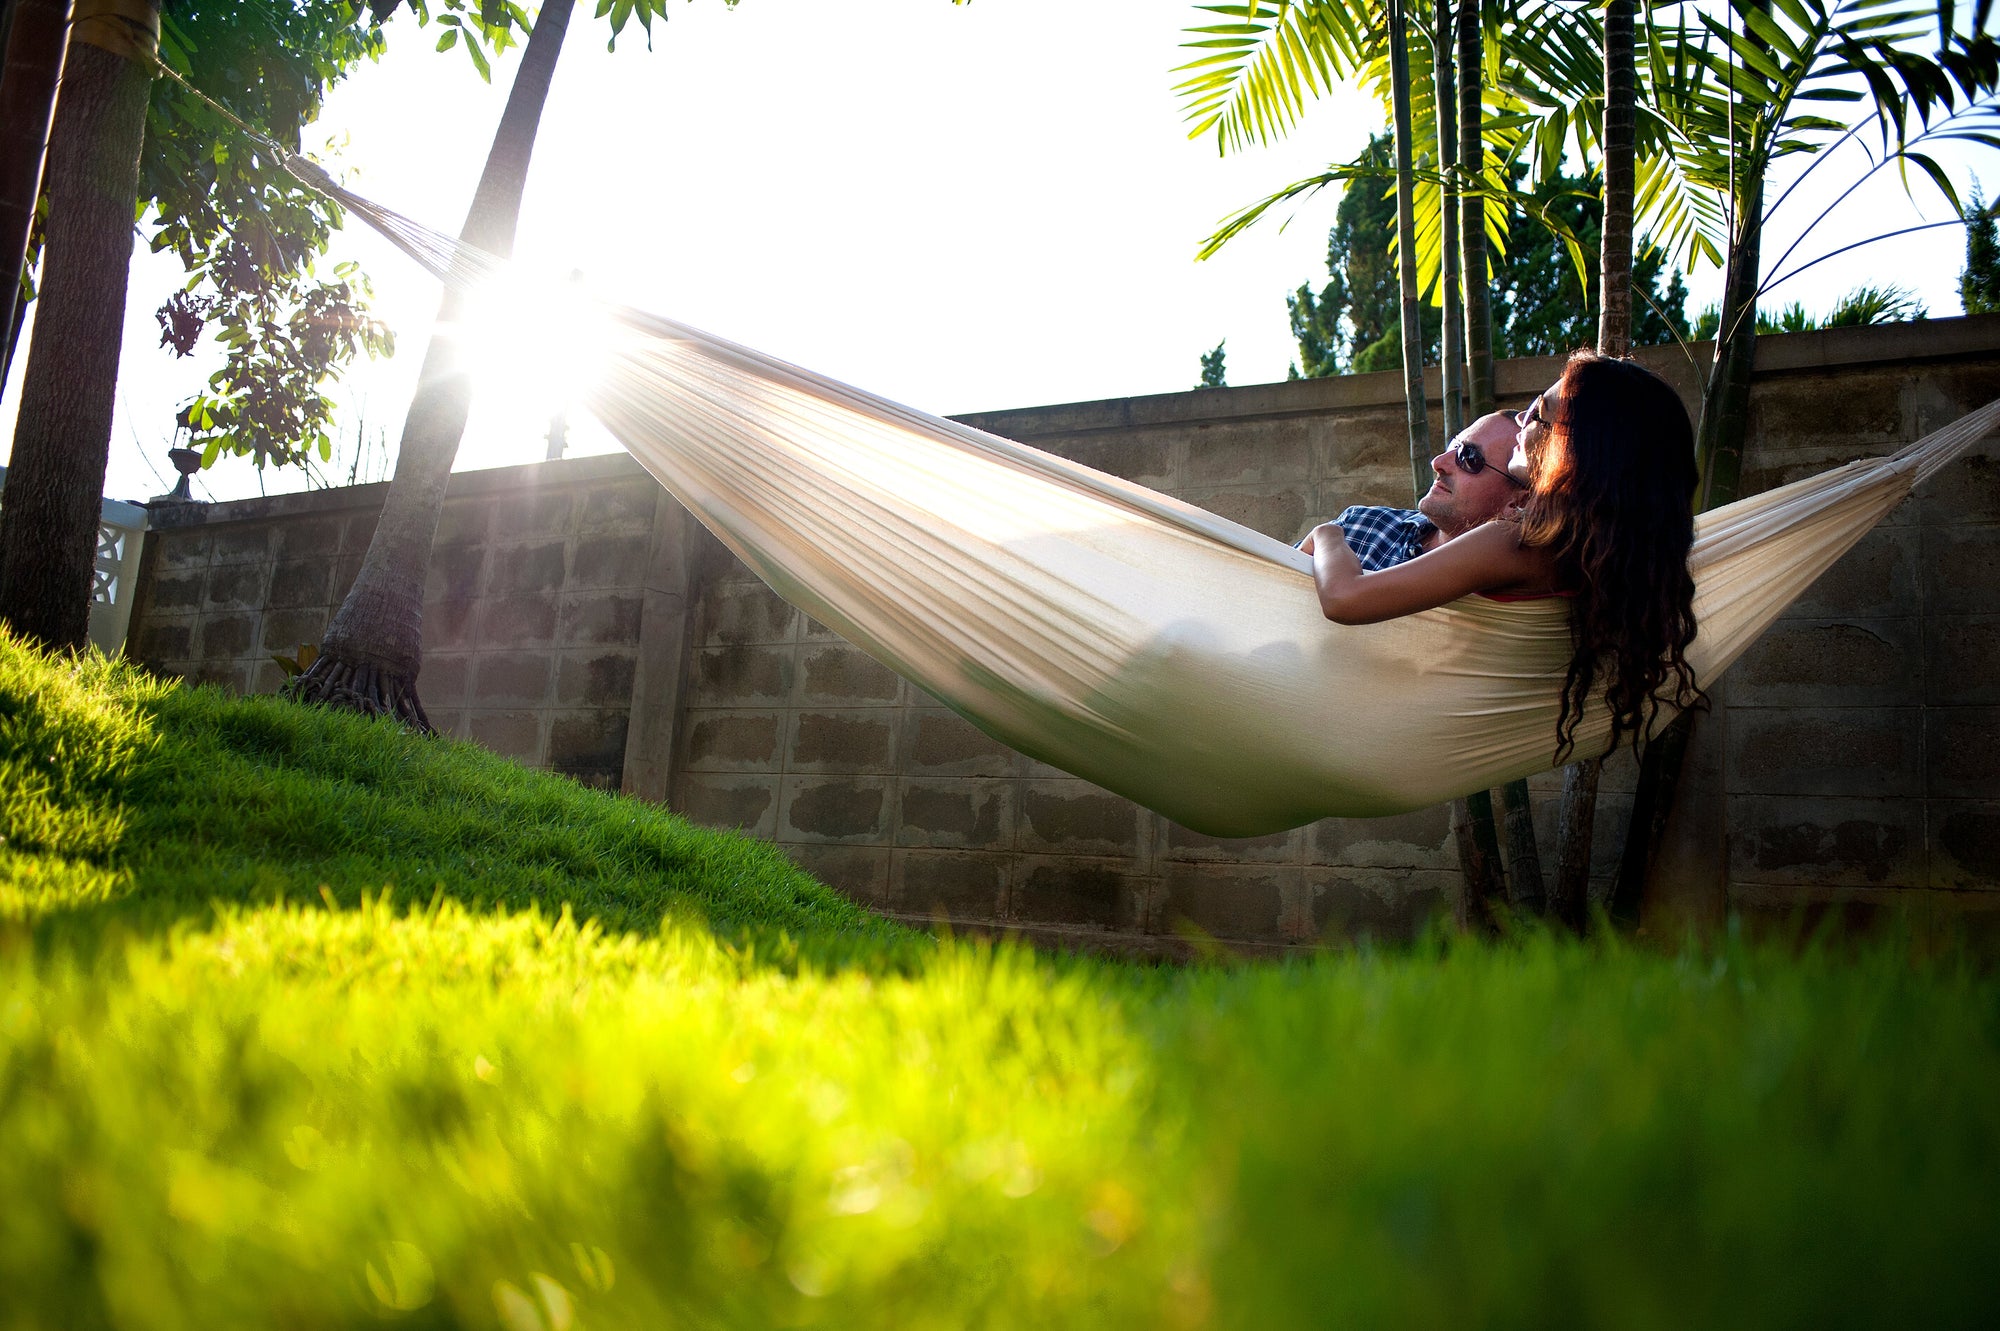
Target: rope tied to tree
[{"x": 127, "y": 28}]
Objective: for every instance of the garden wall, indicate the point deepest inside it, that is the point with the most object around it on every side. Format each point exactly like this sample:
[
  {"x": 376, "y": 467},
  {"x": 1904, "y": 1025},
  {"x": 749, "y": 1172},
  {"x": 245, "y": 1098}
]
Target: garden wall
[{"x": 577, "y": 619}]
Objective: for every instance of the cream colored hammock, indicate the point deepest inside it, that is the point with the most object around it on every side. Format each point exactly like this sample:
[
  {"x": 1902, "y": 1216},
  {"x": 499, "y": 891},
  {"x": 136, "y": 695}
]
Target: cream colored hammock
[{"x": 1158, "y": 650}]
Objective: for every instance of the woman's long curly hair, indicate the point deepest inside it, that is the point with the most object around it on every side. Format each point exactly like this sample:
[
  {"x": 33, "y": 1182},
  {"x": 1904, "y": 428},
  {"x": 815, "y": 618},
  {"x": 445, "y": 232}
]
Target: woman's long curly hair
[{"x": 1614, "y": 481}]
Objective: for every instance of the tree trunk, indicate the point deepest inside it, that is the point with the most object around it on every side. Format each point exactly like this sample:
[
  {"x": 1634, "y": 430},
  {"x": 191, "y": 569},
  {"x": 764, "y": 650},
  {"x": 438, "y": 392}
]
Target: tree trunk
[
  {"x": 1725, "y": 408},
  {"x": 1527, "y": 892},
  {"x": 55, "y": 480},
  {"x": 1478, "y": 860},
  {"x": 34, "y": 45},
  {"x": 1453, "y": 346},
  {"x": 1406, "y": 252},
  {"x": 374, "y": 647},
  {"x": 1614, "y": 338},
  {"x": 1472, "y": 208}
]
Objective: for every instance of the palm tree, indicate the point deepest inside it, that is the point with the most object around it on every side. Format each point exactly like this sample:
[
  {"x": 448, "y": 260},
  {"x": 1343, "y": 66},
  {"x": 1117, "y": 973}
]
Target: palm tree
[
  {"x": 374, "y": 645},
  {"x": 48, "y": 526},
  {"x": 32, "y": 35}
]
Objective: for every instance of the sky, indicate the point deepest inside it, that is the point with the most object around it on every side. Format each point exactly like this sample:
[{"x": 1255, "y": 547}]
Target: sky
[{"x": 961, "y": 207}]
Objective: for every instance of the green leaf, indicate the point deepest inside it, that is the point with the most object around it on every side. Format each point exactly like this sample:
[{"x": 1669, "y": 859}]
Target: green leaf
[
  {"x": 448, "y": 40},
  {"x": 479, "y": 61}
]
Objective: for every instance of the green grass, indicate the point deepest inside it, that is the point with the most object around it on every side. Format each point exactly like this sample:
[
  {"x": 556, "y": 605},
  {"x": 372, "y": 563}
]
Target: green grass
[{"x": 304, "y": 1022}]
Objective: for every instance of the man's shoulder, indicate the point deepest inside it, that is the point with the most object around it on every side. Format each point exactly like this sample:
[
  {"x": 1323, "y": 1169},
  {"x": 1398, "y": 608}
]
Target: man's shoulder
[{"x": 1378, "y": 514}]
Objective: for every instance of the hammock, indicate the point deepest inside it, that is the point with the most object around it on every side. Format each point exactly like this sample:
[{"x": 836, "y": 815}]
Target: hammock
[{"x": 1158, "y": 650}]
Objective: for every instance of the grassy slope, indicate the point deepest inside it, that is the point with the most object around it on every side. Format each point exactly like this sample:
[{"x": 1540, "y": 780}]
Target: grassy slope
[{"x": 729, "y": 1098}]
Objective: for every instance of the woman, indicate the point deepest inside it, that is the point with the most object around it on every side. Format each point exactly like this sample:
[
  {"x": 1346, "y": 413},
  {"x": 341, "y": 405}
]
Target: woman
[{"x": 1609, "y": 455}]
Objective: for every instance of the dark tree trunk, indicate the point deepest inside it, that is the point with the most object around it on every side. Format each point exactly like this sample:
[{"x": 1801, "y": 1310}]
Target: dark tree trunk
[
  {"x": 1478, "y": 860},
  {"x": 1614, "y": 338},
  {"x": 55, "y": 480},
  {"x": 1472, "y": 209},
  {"x": 374, "y": 646},
  {"x": 1725, "y": 408},
  {"x": 34, "y": 44},
  {"x": 1406, "y": 251},
  {"x": 1526, "y": 890},
  {"x": 1445, "y": 87}
]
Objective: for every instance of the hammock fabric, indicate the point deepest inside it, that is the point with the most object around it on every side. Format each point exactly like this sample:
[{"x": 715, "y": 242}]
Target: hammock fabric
[{"x": 1155, "y": 649}]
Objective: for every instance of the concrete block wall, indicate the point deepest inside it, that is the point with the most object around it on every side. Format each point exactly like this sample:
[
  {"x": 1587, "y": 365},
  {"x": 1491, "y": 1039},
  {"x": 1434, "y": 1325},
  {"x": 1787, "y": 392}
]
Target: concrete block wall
[
  {"x": 578, "y": 620},
  {"x": 535, "y": 613}
]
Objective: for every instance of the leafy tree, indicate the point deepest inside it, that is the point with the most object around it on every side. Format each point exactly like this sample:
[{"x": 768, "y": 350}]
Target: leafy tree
[
  {"x": 1212, "y": 373},
  {"x": 1862, "y": 307},
  {"x": 1979, "y": 282}
]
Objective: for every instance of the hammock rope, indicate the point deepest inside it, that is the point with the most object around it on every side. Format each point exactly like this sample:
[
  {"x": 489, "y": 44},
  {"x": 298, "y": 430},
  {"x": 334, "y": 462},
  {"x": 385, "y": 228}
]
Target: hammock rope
[{"x": 1158, "y": 650}]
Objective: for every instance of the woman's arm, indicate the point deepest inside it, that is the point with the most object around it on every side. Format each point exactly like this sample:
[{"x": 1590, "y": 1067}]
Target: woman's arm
[{"x": 1485, "y": 559}]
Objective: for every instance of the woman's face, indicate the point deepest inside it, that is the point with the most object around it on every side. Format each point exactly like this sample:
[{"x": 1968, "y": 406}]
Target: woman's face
[{"x": 1532, "y": 425}]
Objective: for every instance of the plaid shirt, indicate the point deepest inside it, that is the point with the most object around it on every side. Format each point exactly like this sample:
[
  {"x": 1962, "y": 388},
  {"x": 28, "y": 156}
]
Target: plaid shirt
[{"x": 1384, "y": 537}]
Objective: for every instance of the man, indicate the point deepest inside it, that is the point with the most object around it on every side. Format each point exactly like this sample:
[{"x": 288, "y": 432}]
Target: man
[{"x": 1472, "y": 486}]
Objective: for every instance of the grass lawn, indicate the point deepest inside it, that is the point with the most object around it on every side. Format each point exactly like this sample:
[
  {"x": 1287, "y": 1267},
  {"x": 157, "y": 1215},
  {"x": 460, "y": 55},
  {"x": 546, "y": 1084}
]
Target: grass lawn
[{"x": 305, "y": 1022}]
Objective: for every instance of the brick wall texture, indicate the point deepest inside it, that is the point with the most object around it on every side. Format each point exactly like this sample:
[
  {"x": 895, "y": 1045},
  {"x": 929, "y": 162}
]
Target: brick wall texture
[{"x": 578, "y": 620}]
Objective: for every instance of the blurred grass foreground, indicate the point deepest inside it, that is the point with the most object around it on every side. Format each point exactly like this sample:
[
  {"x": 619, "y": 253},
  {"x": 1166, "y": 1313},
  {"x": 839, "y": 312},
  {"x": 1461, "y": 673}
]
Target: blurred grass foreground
[{"x": 305, "y": 1022}]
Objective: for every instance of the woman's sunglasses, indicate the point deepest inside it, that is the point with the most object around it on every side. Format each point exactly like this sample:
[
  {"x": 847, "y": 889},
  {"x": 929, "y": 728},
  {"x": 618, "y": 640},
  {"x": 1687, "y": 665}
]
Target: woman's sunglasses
[{"x": 1471, "y": 460}]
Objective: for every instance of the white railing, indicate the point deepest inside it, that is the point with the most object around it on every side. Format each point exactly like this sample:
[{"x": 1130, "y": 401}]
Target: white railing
[{"x": 121, "y": 534}]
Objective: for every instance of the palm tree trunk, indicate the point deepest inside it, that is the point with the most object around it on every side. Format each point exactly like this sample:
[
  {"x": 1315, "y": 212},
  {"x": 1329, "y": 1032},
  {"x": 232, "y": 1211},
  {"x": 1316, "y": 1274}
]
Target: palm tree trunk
[
  {"x": 34, "y": 45},
  {"x": 1472, "y": 209},
  {"x": 1406, "y": 252},
  {"x": 374, "y": 646},
  {"x": 1571, "y": 900},
  {"x": 1453, "y": 348},
  {"x": 1725, "y": 409},
  {"x": 55, "y": 480}
]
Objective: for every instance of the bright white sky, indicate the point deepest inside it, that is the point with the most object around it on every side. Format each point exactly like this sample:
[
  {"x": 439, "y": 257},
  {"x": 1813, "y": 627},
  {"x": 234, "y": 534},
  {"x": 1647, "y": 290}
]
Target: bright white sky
[{"x": 960, "y": 207}]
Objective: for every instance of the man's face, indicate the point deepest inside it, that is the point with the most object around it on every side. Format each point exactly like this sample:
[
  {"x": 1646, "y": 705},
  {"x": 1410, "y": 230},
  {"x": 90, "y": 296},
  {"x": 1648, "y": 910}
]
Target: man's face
[{"x": 1458, "y": 501}]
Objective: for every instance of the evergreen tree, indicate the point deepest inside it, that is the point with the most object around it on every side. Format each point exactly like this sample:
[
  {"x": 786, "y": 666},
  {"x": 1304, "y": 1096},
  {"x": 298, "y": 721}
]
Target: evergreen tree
[
  {"x": 1212, "y": 375},
  {"x": 1979, "y": 283}
]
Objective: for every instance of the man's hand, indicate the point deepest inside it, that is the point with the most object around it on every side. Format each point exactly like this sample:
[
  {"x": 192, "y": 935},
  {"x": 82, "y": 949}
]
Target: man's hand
[{"x": 1315, "y": 537}]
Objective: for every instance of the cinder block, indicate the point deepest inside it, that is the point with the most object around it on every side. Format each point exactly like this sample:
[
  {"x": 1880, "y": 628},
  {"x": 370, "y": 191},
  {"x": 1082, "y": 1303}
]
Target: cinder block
[
  {"x": 1263, "y": 452},
  {"x": 1950, "y": 554},
  {"x": 162, "y": 641},
  {"x": 847, "y": 809},
  {"x": 227, "y": 635},
  {"x": 733, "y": 741},
  {"x": 1233, "y": 901},
  {"x": 524, "y": 619},
  {"x": 589, "y": 743},
  {"x": 1828, "y": 842},
  {"x": 182, "y": 549},
  {"x": 1961, "y": 650},
  {"x": 858, "y": 872},
  {"x": 1420, "y": 840},
  {"x": 747, "y": 803},
  {"x": 957, "y": 885},
  {"x": 1145, "y": 456},
  {"x": 512, "y": 733},
  {"x": 1832, "y": 663},
  {"x": 841, "y": 674},
  {"x": 510, "y": 679},
  {"x": 1965, "y": 844},
  {"x": 451, "y": 625},
  {"x": 231, "y": 677},
  {"x": 1066, "y": 889},
  {"x": 517, "y": 569},
  {"x": 812, "y": 631},
  {"x": 177, "y": 591},
  {"x": 739, "y": 676},
  {"x": 288, "y": 630},
  {"x": 532, "y": 516},
  {"x": 610, "y": 561},
  {"x": 596, "y": 679},
  {"x": 606, "y": 618},
  {"x": 300, "y": 582},
  {"x": 1962, "y": 752},
  {"x": 1278, "y": 513},
  {"x": 1350, "y": 445},
  {"x": 1967, "y": 491},
  {"x": 957, "y": 812},
  {"x": 309, "y": 538},
  {"x": 249, "y": 543},
  {"x": 236, "y": 586},
  {"x": 464, "y": 522},
  {"x": 854, "y": 741},
  {"x": 1877, "y": 579},
  {"x": 1351, "y": 903},
  {"x": 441, "y": 682},
  {"x": 937, "y": 742},
  {"x": 1277, "y": 848},
  {"x": 1077, "y": 818},
  {"x": 743, "y": 613},
  {"x": 268, "y": 677},
  {"x": 623, "y": 506},
  {"x": 346, "y": 570},
  {"x": 1865, "y": 751},
  {"x": 358, "y": 531}
]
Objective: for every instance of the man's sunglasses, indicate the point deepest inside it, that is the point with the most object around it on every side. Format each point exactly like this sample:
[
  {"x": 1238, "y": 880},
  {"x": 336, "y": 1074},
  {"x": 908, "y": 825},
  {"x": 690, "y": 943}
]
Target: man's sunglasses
[{"x": 1472, "y": 460}]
